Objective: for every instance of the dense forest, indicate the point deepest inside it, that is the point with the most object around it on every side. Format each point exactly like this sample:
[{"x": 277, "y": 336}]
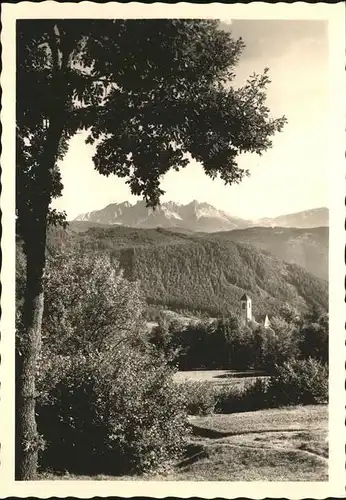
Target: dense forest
[
  {"x": 197, "y": 273},
  {"x": 307, "y": 248}
]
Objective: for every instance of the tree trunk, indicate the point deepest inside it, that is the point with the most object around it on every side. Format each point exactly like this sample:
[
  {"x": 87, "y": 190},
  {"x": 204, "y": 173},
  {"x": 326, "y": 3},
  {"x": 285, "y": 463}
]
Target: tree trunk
[
  {"x": 27, "y": 355},
  {"x": 34, "y": 228}
]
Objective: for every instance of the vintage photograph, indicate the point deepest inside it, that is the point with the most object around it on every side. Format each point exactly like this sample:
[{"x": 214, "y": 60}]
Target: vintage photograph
[{"x": 172, "y": 213}]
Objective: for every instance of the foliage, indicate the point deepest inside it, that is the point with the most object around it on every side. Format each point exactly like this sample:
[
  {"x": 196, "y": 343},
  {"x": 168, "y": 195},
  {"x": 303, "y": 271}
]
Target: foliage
[
  {"x": 211, "y": 344},
  {"x": 300, "y": 382},
  {"x": 200, "y": 397},
  {"x": 115, "y": 416},
  {"x": 105, "y": 399},
  {"x": 280, "y": 343},
  {"x": 295, "y": 382},
  {"x": 314, "y": 339},
  {"x": 224, "y": 344},
  {"x": 163, "y": 337},
  {"x": 144, "y": 108},
  {"x": 252, "y": 396},
  {"x": 89, "y": 305},
  {"x": 289, "y": 314}
]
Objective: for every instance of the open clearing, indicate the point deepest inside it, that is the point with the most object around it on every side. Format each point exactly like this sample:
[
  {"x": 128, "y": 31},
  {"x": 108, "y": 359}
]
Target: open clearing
[
  {"x": 286, "y": 444},
  {"x": 220, "y": 377}
]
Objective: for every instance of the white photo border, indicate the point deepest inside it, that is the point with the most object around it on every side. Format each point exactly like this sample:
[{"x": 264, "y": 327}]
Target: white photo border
[{"x": 335, "y": 486}]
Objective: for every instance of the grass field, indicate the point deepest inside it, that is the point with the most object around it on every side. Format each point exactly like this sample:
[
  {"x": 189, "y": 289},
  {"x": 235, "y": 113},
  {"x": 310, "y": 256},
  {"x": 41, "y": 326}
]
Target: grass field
[
  {"x": 286, "y": 444},
  {"x": 219, "y": 377}
]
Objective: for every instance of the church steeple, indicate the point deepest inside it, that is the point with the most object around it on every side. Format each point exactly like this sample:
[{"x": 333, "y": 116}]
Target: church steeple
[
  {"x": 266, "y": 322},
  {"x": 245, "y": 309}
]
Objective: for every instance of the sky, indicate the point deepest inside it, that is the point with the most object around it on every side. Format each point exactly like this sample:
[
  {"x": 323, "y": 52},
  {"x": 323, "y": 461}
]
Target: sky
[{"x": 290, "y": 177}]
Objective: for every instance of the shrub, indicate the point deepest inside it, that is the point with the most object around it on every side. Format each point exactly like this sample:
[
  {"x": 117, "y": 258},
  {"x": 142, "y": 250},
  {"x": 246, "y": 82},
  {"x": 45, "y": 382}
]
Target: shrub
[
  {"x": 229, "y": 399},
  {"x": 299, "y": 382},
  {"x": 123, "y": 416},
  {"x": 253, "y": 396},
  {"x": 204, "y": 398},
  {"x": 106, "y": 401},
  {"x": 89, "y": 305},
  {"x": 200, "y": 397},
  {"x": 315, "y": 338},
  {"x": 295, "y": 382},
  {"x": 280, "y": 343}
]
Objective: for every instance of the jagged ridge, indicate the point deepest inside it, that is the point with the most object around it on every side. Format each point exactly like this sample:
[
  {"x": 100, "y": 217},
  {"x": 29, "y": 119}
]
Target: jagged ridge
[{"x": 194, "y": 216}]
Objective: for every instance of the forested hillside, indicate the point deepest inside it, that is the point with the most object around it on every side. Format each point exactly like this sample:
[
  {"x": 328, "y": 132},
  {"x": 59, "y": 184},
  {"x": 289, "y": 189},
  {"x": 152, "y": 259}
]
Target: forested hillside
[
  {"x": 211, "y": 277},
  {"x": 188, "y": 272},
  {"x": 307, "y": 248}
]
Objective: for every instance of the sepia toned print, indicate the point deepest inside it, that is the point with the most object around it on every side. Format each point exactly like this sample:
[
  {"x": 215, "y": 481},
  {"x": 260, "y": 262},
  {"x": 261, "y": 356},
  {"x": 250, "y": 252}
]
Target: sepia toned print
[{"x": 173, "y": 282}]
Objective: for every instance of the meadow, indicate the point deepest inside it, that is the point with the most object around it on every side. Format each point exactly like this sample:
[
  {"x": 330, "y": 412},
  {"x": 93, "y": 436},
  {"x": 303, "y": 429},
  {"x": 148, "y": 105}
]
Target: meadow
[
  {"x": 285, "y": 444},
  {"x": 220, "y": 377}
]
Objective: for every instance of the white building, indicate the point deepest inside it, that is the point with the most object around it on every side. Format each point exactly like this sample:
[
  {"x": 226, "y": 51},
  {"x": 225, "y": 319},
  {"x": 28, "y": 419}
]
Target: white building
[
  {"x": 245, "y": 309},
  {"x": 246, "y": 312}
]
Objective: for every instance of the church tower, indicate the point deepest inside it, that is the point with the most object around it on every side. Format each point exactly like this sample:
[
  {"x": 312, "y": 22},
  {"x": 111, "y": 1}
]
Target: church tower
[{"x": 245, "y": 309}]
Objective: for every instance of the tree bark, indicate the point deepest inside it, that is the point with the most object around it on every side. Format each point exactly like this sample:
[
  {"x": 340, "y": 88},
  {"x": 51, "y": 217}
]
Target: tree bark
[
  {"x": 34, "y": 228},
  {"x": 27, "y": 355}
]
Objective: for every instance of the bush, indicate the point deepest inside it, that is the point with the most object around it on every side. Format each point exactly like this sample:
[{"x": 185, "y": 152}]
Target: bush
[
  {"x": 229, "y": 400},
  {"x": 124, "y": 416},
  {"x": 200, "y": 397},
  {"x": 89, "y": 305},
  {"x": 299, "y": 382},
  {"x": 107, "y": 403},
  {"x": 279, "y": 344},
  {"x": 253, "y": 396},
  {"x": 224, "y": 344},
  {"x": 315, "y": 339},
  {"x": 204, "y": 398}
]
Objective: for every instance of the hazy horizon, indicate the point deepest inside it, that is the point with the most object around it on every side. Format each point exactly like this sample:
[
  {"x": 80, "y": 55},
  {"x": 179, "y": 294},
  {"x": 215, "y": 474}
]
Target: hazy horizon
[{"x": 290, "y": 177}]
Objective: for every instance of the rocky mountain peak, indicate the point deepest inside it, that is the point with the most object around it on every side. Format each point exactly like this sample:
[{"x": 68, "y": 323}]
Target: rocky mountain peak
[{"x": 195, "y": 216}]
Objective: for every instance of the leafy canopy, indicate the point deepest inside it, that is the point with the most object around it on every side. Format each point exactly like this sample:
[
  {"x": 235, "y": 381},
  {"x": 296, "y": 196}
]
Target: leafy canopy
[{"x": 149, "y": 92}]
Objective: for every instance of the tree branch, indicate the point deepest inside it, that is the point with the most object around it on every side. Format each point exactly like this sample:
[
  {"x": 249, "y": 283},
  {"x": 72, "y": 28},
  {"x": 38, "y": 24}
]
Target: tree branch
[{"x": 55, "y": 48}]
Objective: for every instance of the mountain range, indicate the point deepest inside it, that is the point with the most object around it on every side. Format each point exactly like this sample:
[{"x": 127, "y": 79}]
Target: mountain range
[{"x": 195, "y": 216}]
